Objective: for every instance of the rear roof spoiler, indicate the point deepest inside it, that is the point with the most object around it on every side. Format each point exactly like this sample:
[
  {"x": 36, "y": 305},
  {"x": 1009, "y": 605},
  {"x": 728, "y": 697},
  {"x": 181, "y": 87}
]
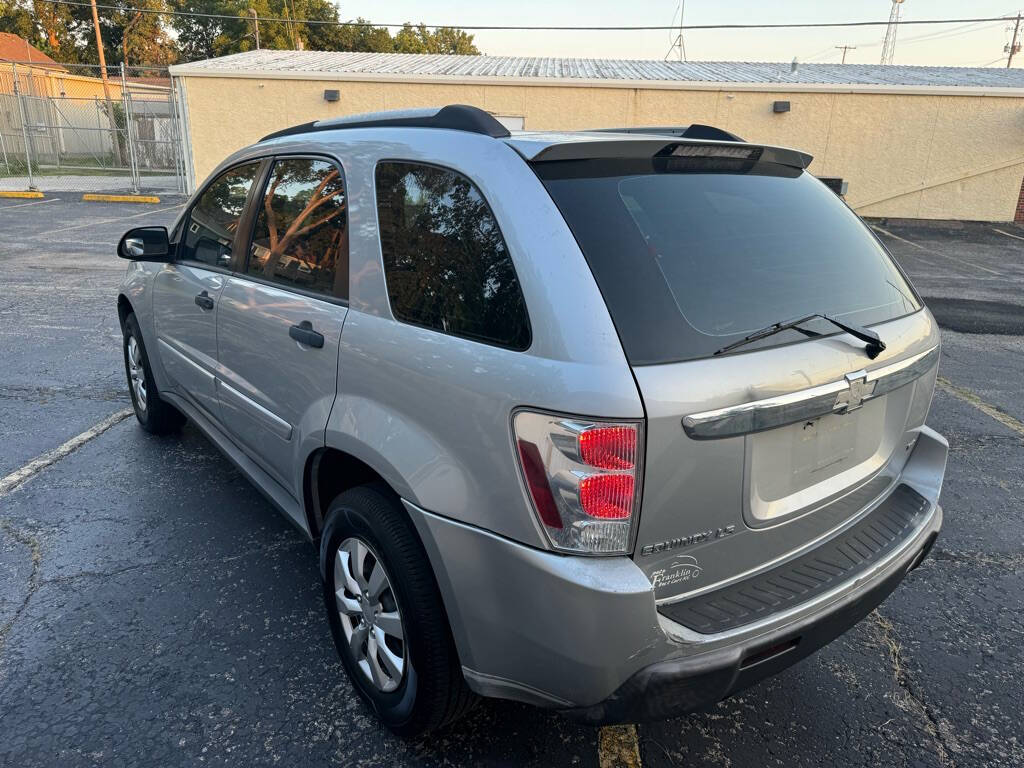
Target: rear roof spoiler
[{"x": 600, "y": 148}]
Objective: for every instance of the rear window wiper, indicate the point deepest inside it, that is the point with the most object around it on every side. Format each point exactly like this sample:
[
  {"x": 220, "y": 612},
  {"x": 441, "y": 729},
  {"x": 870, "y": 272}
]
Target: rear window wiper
[{"x": 872, "y": 339}]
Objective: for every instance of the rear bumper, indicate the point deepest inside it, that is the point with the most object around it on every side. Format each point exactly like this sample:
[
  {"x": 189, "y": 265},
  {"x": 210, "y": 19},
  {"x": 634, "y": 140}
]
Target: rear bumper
[
  {"x": 678, "y": 686},
  {"x": 584, "y": 635}
]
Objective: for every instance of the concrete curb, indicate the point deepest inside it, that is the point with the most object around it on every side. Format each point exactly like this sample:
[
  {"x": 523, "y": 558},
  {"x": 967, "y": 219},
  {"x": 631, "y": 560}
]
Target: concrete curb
[
  {"x": 29, "y": 194},
  {"x": 94, "y": 198}
]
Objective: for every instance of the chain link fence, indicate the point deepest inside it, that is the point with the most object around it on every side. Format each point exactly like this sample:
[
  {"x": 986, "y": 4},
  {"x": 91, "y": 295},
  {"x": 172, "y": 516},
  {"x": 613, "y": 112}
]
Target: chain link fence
[{"x": 70, "y": 129}]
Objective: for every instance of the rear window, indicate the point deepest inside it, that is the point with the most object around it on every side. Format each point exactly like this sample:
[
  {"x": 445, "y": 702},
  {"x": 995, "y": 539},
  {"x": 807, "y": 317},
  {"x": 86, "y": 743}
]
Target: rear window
[
  {"x": 445, "y": 260},
  {"x": 691, "y": 260}
]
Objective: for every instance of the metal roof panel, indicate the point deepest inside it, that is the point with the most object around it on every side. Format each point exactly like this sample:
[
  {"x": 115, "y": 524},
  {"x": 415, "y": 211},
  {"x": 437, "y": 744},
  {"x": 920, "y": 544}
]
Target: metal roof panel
[{"x": 443, "y": 65}]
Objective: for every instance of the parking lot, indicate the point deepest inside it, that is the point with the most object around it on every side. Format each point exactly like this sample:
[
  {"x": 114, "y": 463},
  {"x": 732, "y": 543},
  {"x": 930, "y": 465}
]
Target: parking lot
[{"x": 156, "y": 610}]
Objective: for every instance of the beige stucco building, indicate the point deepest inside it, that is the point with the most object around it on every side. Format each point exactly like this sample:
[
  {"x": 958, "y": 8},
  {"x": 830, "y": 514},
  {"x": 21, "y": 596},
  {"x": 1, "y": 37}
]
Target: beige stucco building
[{"x": 914, "y": 142}]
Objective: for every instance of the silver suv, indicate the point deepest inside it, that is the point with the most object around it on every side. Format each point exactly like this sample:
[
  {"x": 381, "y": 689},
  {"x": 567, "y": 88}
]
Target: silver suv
[{"x": 611, "y": 422}]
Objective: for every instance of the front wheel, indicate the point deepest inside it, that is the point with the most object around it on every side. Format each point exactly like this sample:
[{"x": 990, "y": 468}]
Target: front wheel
[
  {"x": 154, "y": 415},
  {"x": 386, "y": 614}
]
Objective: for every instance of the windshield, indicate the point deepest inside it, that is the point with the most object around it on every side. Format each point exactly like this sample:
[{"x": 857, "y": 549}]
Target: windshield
[{"x": 691, "y": 261}]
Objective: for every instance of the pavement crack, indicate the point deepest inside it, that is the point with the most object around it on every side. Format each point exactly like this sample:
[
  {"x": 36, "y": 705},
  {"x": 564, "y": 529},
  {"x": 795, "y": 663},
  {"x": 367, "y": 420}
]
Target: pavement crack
[
  {"x": 95, "y": 574},
  {"x": 36, "y": 551},
  {"x": 910, "y": 700}
]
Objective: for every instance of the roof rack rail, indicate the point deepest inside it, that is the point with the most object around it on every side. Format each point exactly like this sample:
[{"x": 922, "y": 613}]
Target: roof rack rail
[
  {"x": 456, "y": 117},
  {"x": 694, "y": 131}
]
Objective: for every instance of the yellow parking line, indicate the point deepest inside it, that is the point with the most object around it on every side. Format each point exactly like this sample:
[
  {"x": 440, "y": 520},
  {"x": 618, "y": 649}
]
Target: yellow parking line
[
  {"x": 94, "y": 198},
  {"x": 30, "y": 194},
  {"x": 972, "y": 399}
]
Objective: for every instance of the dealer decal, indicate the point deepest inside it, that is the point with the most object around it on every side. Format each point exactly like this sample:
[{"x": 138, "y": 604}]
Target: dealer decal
[{"x": 683, "y": 569}]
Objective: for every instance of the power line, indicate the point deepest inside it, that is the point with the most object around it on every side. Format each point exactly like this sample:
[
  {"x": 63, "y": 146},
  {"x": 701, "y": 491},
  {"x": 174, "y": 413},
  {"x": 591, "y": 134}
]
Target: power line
[
  {"x": 966, "y": 29},
  {"x": 522, "y": 28}
]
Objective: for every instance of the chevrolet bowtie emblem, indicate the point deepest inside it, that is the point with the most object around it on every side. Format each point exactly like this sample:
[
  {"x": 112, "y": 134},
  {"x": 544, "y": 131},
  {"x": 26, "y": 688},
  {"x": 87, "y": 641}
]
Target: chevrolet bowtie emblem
[{"x": 858, "y": 390}]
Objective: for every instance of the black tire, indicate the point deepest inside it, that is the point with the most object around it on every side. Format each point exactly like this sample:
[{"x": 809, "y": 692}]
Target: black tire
[
  {"x": 432, "y": 692},
  {"x": 154, "y": 415}
]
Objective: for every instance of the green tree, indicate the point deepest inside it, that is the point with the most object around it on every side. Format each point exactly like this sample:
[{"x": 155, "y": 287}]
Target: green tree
[
  {"x": 419, "y": 39},
  {"x": 47, "y": 26},
  {"x": 153, "y": 39},
  {"x": 449, "y": 40},
  {"x": 203, "y": 38},
  {"x": 352, "y": 37},
  {"x": 16, "y": 18}
]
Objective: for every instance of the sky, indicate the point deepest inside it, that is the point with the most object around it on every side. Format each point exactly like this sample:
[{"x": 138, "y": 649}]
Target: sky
[{"x": 961, "y": 45}]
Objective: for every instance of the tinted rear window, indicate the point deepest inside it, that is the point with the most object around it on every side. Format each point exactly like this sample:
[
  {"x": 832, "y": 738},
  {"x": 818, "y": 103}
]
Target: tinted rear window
[
  {"x": 691, "y": 261},
  {"x": 445, "y": 260}
]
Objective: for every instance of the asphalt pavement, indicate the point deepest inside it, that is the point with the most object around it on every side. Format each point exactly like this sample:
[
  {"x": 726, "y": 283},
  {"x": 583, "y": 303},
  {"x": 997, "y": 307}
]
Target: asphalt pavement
[{"x": 156, "y": 610}]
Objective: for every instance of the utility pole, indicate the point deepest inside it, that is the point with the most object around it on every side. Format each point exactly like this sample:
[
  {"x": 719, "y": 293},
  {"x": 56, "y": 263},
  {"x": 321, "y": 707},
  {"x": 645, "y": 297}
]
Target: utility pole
[
  {"x": 844, "y": 49},
  {"x": 291, "y": 24},
  {"x": 256, "y": 21},
  {"x": 106, "y": 85},
  {"x": 1014, "y": 45}
]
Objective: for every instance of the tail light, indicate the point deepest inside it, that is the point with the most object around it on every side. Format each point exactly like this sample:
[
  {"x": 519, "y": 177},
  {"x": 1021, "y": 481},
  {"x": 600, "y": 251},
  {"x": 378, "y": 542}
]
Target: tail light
[{"x": 583, "y": 478}]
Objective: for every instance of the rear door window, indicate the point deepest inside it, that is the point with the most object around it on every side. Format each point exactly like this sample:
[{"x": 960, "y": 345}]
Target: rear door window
[
  {"x": 214, "y": 218},
  {"x": 300, "y": 237},
  {"x": 445, "y": 260},
  {"x": 691, "y": 261}
]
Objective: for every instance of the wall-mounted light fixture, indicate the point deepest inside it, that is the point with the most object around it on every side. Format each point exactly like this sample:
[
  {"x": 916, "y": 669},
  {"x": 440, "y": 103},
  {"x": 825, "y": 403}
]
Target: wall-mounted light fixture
[
  {"x": 332, "y": 95},
  {"x": 780, "y": 106}
]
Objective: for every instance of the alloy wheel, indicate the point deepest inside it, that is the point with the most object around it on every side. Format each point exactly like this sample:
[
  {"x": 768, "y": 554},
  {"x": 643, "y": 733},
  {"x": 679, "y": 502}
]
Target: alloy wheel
[
  {"x": 136, "y": 373},
  {"x": 370, "y": 617}
]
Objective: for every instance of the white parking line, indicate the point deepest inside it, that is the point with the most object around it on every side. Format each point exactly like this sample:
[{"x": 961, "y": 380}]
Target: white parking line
[
  {"x": 954, "y": 259},
  {"x": 24, "y": 205},
  {"x": 38, "y": 464},
  {"x": 111, "y": 221},
  {"x": 887, "y": 233},
  {"x": 1008, "y": 234}
]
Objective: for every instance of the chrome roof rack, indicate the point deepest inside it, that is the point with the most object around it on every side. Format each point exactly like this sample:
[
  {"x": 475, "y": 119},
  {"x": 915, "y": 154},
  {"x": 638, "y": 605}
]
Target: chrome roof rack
[{"x": 456, "y": 117}]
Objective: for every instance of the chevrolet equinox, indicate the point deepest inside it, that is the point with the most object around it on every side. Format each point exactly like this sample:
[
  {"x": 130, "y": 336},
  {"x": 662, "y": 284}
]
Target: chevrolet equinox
[{"x": 612, "y": 422}]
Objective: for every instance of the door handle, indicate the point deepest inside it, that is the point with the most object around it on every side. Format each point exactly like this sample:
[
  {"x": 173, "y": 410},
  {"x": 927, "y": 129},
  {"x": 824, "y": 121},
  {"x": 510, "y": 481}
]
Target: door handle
[
  {"x": 304, "y": 334},
  {"x": 204, "y": 301}
]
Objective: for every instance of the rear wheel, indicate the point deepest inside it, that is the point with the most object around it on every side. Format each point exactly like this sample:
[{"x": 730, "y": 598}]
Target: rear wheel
[
  {"x": 154, "y": 414},
  {"x": 386, "y": 614}
]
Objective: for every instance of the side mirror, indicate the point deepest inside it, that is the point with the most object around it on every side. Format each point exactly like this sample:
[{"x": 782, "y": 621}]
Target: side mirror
[{"x": 145, "y": 244}]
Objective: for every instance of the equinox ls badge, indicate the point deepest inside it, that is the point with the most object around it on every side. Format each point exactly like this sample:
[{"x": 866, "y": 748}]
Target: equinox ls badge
[{"x": 858, "y": 390}]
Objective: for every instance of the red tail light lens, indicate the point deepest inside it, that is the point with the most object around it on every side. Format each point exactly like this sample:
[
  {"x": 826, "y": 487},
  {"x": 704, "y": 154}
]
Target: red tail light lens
[
  {"x": 609, "y": 447},
  {"x": 537, "y": 482},
  {"x": 609, "y": 497},
  {"x": 582, "y": 477}
]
